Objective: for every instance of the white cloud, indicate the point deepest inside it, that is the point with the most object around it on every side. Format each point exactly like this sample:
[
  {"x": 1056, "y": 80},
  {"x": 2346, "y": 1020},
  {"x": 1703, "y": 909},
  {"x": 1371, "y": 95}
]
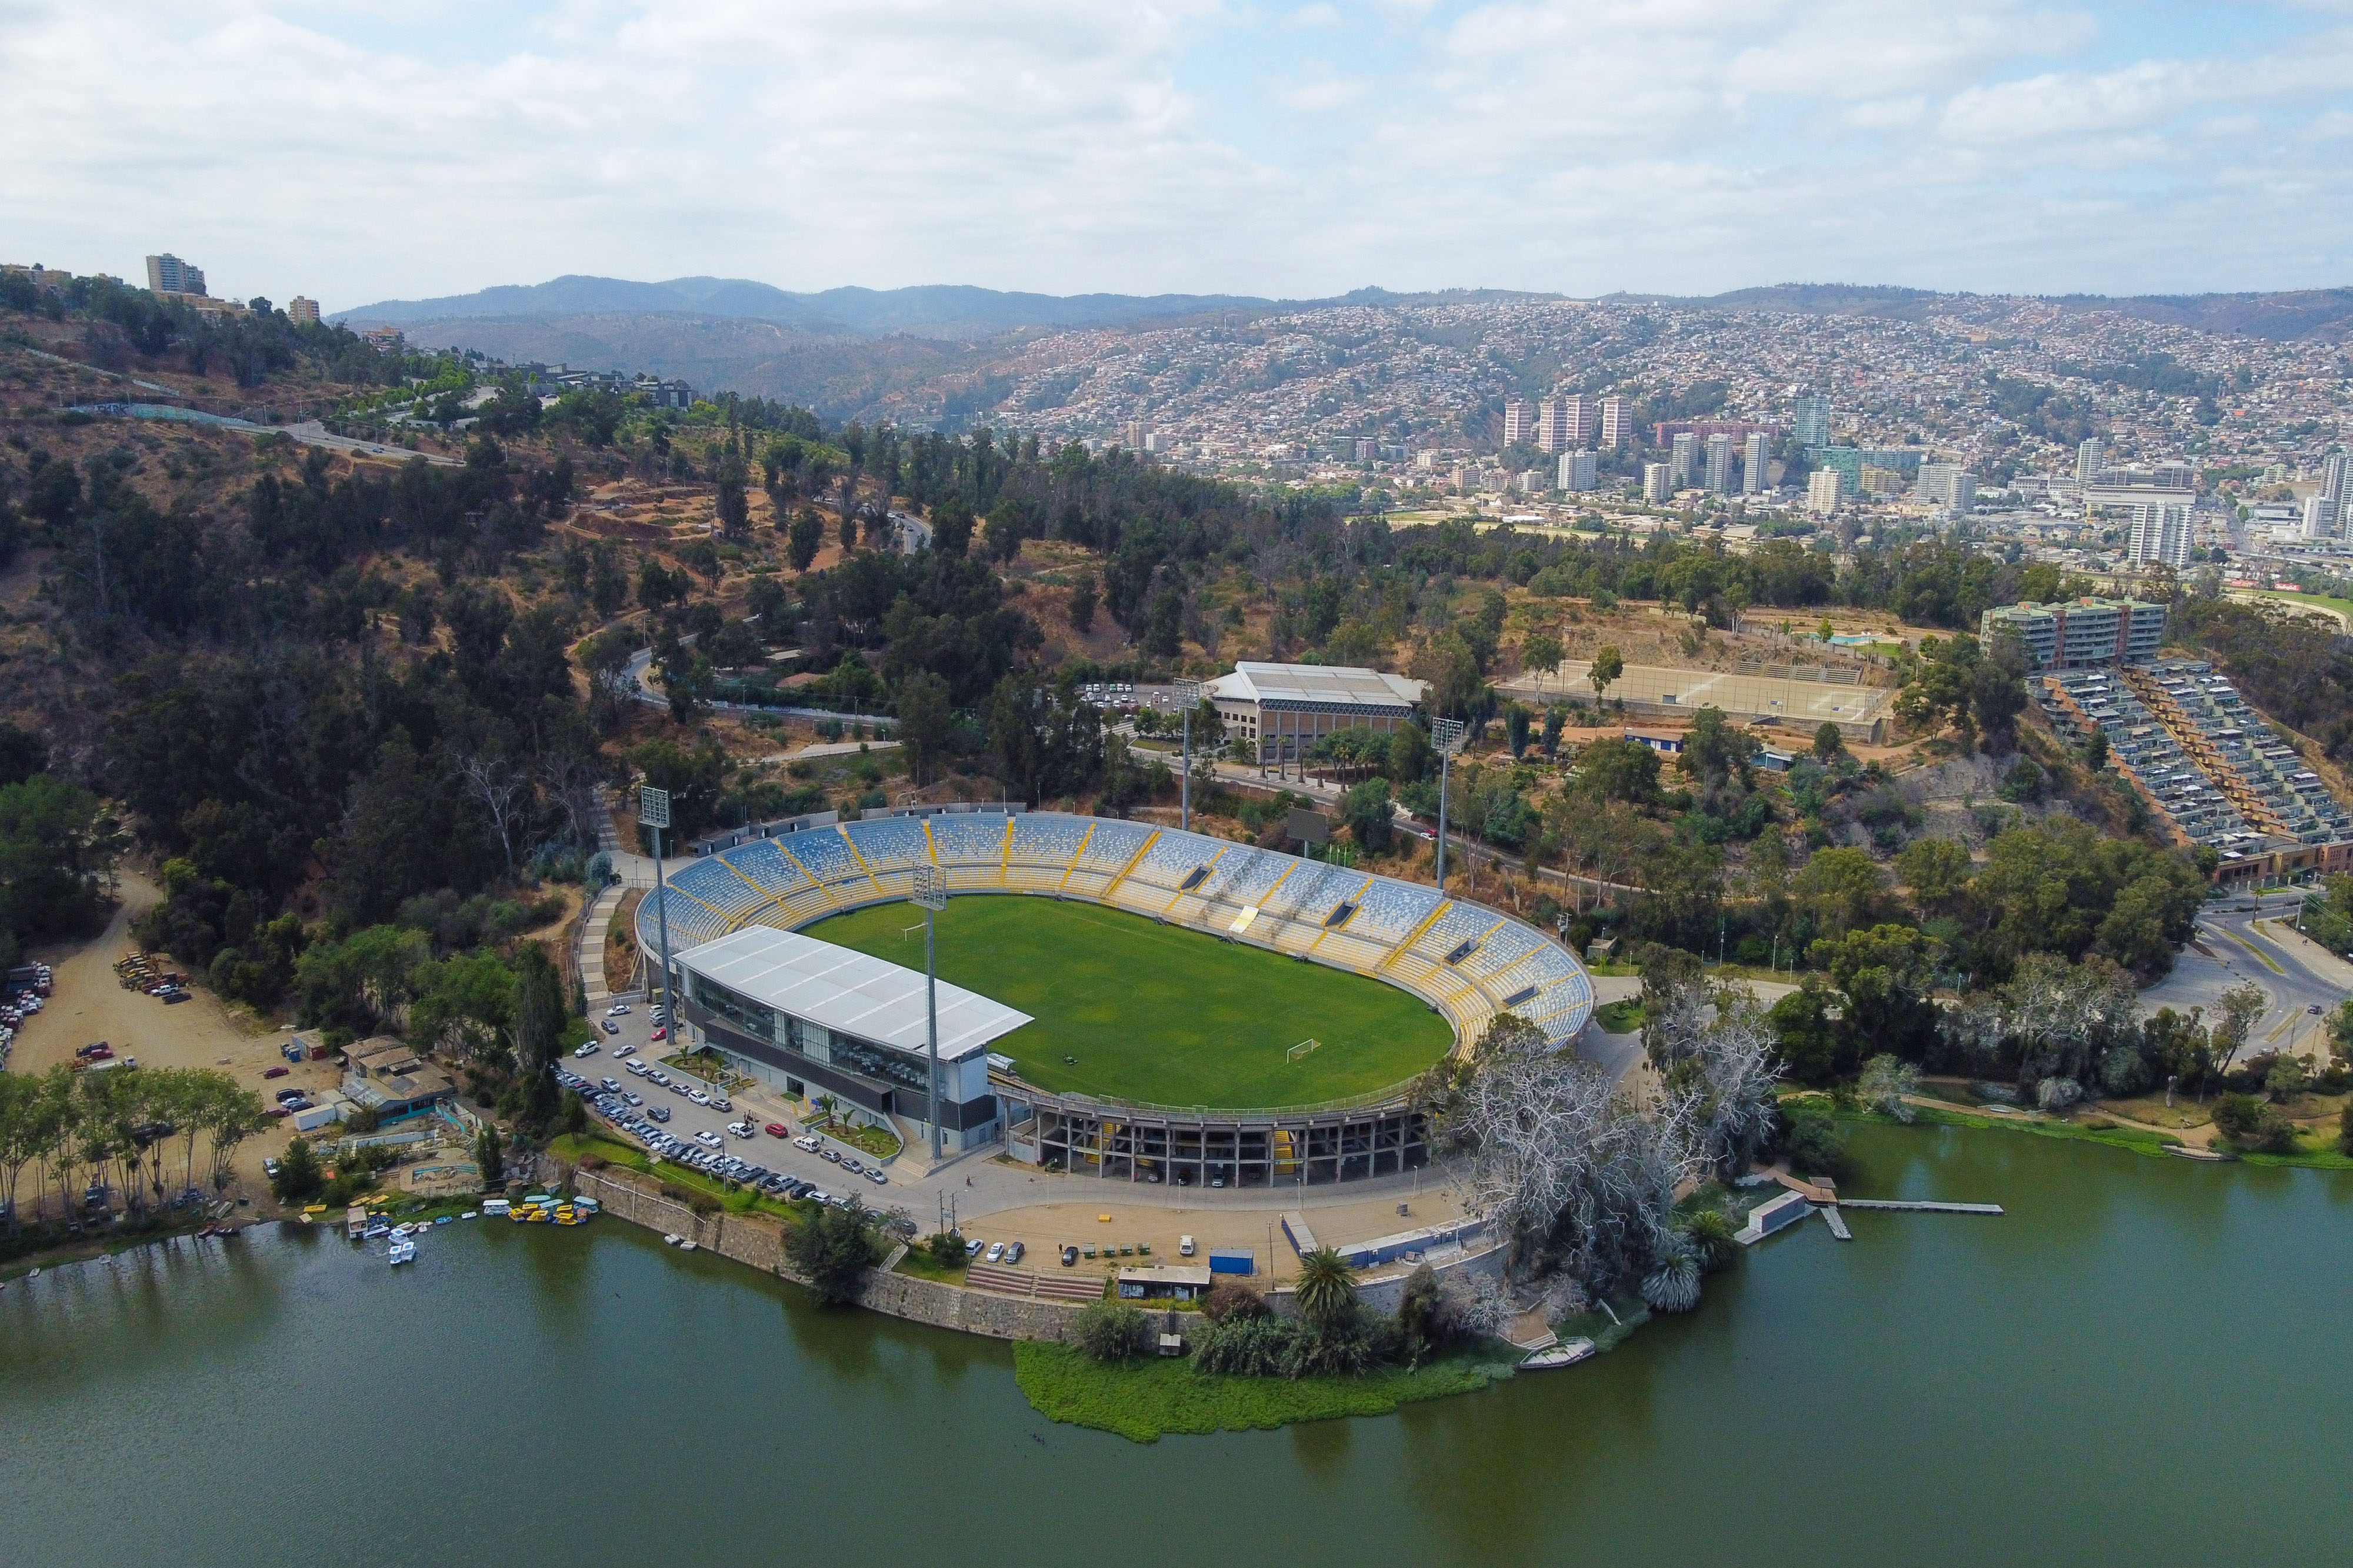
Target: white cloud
[{"x": 354, "y": 153}]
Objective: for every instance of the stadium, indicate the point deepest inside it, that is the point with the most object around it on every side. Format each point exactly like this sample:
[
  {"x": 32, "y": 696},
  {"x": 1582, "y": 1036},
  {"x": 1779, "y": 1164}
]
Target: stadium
[{"x": 1155, "y": 1005}]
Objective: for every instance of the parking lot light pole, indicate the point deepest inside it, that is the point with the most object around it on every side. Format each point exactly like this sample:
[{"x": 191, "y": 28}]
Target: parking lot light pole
[
  {"x": 931, "y": 895},
  {"x": 653, "y": 813},
  {"x": 1445, "y": 738}
]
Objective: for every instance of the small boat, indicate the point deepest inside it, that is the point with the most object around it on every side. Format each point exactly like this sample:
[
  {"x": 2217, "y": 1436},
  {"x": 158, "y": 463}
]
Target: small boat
[
  {"x": 403, "y": 1228},
  {"x": 468, "y": 1214},
  {"x": 374, "y": 1231},
  {"x": 404, "y": 1250},
  {"x": 1569, "y": 1352},
  {"x": 672, "y": 1239},
  {"x": 686, "y": 1243},
  {"x": 444, "y": 1219}
]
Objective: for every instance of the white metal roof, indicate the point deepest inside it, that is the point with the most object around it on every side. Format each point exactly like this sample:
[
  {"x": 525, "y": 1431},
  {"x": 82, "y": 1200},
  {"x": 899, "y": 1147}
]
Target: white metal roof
[
  {"x": 1326, "y": 683},
  {"x": 869, "y": 997}
]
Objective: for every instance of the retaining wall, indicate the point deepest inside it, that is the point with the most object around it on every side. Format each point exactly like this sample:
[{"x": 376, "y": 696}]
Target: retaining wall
[{"x": 757, "y": 1241}]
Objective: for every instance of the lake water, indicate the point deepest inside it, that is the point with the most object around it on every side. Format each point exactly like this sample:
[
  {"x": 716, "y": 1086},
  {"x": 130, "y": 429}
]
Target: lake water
[{"x": 2144, "y": 1362}]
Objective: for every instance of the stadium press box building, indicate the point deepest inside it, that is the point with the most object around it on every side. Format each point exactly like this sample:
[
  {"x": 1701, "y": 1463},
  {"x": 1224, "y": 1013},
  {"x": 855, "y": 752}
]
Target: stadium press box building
[{"x": 809, "y": 1017}]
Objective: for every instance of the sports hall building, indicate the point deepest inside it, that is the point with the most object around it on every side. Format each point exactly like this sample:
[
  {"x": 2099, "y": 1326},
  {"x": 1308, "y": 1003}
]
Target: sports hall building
[{"x": 1282, "y": 709}]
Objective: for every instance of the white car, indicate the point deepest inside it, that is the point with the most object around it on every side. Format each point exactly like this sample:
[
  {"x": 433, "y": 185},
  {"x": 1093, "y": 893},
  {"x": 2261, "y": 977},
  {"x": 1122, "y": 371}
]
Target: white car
[
  {"x": 996, "y": 1251},
  {"x": 697, "y": 1096},
  {"x": 624, "y": 1048},
  {"x": 617, "y": 1010},
  {"x": 587, "y": 1051},
  {"x": 1184, "y": 1246},
  {"x": 707, "y": 1139},
  {"x": 638, "y": 1069},
  {"x": 806, "y": 1141}
]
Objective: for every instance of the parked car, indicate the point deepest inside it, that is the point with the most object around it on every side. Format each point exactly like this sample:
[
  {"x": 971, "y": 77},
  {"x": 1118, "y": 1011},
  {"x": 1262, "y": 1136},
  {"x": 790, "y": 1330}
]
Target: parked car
[
  {"x": 589, "y": 1049},
  {"x": 1070, "y": 1256},
  {"x": 697, "y": 1096},
  {"x": 270, "y": 1169},
  {"x": 1184, "y": 1246},
  {"x": 1013, "y": 1251},
  {"x": 659, "y": 1112},
  {"x": 878, "y": 1178},
  {"x": 996, "y": 1251},
  {"x": 633, "y": 1099},
  {"x": 707, "y": 1138},
  {"x": 834, "y": 1155},
  {"x": 806, "y": 1141},
  {"x": 611, "y": 1027},
  {"x": 624, "y": 1048},
  {"x": 658, "y": 1035},
  {"x": 972, "y": 1248},
  {"x": 617, "y": 1010},
  {"x": 721, "y": 1102},
  {"x": 777, "y": 1130},
  {"x": 288, "y": 1096},
  {"x": 277, "y": 1072}
]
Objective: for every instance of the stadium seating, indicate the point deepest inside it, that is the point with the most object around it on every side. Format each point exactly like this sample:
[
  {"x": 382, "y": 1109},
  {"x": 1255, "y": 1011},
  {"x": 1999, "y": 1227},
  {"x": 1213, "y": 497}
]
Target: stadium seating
[
  {"x": 1399, "y": 931},
  {"x": 711, "y": 882},
  {"x": 824, "y": 854},
  {"x": 766, "y": 865},
  {"x": 892, "y": 848}
]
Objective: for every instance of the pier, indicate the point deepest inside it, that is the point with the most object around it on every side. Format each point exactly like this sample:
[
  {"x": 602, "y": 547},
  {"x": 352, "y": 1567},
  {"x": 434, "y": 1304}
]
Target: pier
[{"x": 1908, "y": 1207}]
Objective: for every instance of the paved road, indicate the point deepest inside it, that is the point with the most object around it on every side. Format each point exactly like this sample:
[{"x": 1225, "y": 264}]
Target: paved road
[{"x": 2234, "y": 936}]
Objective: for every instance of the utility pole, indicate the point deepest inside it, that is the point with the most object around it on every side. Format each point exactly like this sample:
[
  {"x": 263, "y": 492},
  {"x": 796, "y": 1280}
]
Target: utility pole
[
  {"x": 1445, "y": 738},
  {"x": 931, "y": 895},
  {"x": 653, "y": 813}
]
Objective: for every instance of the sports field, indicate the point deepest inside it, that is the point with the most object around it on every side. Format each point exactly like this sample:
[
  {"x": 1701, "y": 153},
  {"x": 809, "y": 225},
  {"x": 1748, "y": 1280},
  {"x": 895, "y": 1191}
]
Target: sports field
[{"x": 1130, "y": 1009}]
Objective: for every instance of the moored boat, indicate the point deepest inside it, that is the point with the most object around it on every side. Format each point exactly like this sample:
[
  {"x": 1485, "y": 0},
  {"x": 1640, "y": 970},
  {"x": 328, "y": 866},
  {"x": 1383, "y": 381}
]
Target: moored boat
[{"x": 404, "y": 1250}]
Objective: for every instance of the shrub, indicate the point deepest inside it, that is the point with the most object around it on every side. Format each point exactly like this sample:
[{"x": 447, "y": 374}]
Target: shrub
[
  {"x": 1813, "y": 1141},
  {"x": 703, "y": 1203},
  {"x": 1110, "y": 1331},
  {"x": 835, "y": 1247},
  {"x": 2248, "y": 1124},
  {"x": 1231, "y": 1298},
  {"x": 946, "y": 1249}
]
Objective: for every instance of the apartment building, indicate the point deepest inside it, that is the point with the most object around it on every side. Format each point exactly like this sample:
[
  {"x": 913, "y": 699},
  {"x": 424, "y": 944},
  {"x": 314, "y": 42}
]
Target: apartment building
[
  {"x": 1519, "y": 423},
  {"x": 1617, "y": 423},
  {"x": 2084, "y": 634},
  {"x": 1564, "y": 423}
]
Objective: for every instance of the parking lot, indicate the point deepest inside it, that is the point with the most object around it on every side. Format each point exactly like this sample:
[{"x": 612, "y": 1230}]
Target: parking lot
[{"x": 688, "y": 1121}]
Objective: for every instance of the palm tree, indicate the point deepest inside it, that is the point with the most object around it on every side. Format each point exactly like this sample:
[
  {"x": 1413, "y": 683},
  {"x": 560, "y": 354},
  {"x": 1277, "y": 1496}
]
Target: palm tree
[
  {"x": 1327, "y": 1287},
  {"x": 1710, "y": 1231}
]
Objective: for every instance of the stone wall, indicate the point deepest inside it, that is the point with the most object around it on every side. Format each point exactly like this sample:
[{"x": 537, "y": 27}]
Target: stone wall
[{"x": 757, "y": 1241}]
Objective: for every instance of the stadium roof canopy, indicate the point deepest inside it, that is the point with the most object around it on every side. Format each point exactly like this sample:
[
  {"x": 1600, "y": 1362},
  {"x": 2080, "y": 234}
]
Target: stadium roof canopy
[
  {"x": 869, "y": 999},
  {"x": 1325, "y": 686}
]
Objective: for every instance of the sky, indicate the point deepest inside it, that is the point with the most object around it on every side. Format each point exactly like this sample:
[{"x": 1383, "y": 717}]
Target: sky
[{"x": 373, "y": 150}]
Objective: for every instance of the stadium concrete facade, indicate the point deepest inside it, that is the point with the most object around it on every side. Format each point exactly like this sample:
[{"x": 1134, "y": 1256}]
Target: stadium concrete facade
[{"x": 1468, "y": 962}]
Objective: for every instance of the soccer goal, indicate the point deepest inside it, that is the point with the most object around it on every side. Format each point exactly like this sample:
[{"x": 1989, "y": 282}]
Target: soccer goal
[{"x": 1300, "y": 1049}]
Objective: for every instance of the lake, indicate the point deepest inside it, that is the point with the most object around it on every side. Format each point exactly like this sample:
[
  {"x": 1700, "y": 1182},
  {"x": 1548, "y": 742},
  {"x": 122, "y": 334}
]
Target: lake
[{"x": 2144, "y": 1361}]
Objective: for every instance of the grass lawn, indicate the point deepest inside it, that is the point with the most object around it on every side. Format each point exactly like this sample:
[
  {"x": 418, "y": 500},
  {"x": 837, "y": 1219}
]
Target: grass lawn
[
  {"x": 1157, "y": 1013},
  {"x": 743, "y": 1200},
  {"x": 1621, "y": 1017},
  {"x": 1141, "y": 1400}
]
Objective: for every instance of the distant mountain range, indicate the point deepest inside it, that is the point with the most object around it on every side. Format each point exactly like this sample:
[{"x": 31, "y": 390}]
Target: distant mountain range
[
  {"x": 846, "y": 352},
  {"x": 934, "y": 311}
]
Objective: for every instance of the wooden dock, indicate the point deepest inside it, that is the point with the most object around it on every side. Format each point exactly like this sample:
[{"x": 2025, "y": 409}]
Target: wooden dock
[{"x": 1906, "y": 1208}]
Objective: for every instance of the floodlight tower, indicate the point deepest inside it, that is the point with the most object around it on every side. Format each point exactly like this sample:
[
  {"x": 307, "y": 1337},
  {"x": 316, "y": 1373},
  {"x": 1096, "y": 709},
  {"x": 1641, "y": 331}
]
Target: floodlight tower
[
  {"x": 653, "y": 813},
  {"x": 1188, "y": 692},
  {"x": 931, "y": 895},
  {"x": 1445, "y": 738}
]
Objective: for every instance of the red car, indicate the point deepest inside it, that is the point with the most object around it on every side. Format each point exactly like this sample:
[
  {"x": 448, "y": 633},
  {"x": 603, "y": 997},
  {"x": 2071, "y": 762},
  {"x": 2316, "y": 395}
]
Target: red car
[
  {"x": 276, "y": 1072},
  {"x": 277, "y": 1111},
  {"x": 777, "y": 1130},
  {"x": 661, "y": 1034}
]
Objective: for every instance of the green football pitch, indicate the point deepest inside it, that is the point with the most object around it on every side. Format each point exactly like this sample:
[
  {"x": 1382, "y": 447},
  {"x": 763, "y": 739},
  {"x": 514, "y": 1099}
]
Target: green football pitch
[{"x": 1130, "y": 1009}]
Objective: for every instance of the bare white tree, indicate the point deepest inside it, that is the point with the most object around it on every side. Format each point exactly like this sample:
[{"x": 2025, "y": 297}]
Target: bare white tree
[{"x": 503, "y": 794}]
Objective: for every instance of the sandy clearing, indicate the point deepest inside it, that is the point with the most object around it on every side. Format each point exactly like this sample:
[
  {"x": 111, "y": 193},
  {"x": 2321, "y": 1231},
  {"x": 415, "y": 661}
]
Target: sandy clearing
[{"x": 90, "y": 1003}]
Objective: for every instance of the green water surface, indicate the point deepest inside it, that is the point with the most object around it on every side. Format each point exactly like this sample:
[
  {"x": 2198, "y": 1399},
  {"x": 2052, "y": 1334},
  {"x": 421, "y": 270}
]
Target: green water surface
[{"x": 2144, "y": 1362}]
